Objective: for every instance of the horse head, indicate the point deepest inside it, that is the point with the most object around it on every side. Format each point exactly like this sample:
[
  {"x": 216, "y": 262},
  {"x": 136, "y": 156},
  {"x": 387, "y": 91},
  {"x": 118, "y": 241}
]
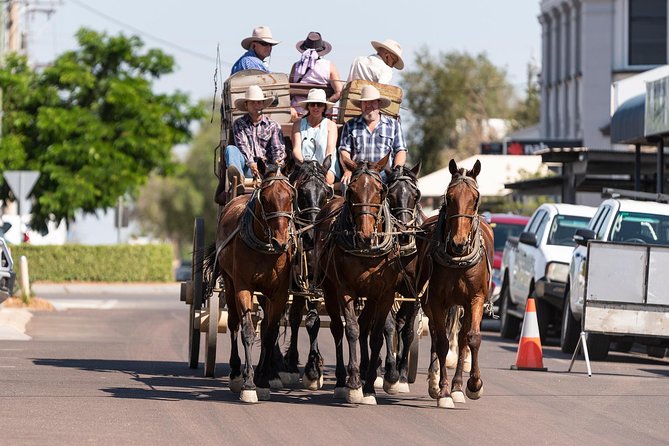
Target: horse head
[
  {"x": 462, "y": 203},
  {"x": 275, "y": 206},
  {"x": 365, "y": 196},
  {"x": 313, "y": 191},
  {"x": 404, "y": 197}
]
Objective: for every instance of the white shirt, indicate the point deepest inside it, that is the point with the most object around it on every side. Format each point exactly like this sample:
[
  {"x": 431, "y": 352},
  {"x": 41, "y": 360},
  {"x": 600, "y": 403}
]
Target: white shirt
[{"x": 370, "y": 68}]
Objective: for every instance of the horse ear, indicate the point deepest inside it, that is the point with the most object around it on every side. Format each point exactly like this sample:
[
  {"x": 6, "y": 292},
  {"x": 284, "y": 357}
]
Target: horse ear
[
  {"x": 262, "y": 167},
  {"x": 290, "y": 165},
  {"x": 382, "y": 163},
  {"x": 474, "y": 172},
  {"x": 452, "y": 167},
  {"x": 416, "y": 169},
  {"x": 327, "y": 162},
  {"x": 349, "y": 163}
]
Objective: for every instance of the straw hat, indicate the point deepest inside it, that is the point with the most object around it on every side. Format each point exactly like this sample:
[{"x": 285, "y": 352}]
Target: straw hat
[
  {"x": 393, "y": 47},
  {"x": 317, "y": 96},
  {"x": 260, "y": 34},
  {"x": 314, "y": 41},
  {"x": 253, "y": 93},
  {"x": 370, "y": 93}
]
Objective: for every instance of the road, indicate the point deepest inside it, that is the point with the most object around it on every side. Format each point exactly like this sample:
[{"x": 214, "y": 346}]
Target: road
[{"x": 109, "y": 368}]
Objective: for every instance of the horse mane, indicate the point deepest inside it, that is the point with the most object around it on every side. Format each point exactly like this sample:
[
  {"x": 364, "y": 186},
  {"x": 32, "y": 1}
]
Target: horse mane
[
  {"x": 399, "y": 171},
  {"x": 307, "y": 168}
]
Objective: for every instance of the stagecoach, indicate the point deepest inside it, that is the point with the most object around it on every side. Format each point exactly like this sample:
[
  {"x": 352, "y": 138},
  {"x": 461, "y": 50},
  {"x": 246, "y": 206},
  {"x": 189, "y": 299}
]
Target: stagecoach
[{"x": 204, "y": 302}]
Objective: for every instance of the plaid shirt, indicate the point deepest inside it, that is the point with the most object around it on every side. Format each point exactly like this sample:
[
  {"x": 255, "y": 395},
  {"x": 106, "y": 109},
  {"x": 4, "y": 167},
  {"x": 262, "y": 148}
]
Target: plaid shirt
[
  {"x": 264, "y": 140},
  {"x": 364, "y": 145}
]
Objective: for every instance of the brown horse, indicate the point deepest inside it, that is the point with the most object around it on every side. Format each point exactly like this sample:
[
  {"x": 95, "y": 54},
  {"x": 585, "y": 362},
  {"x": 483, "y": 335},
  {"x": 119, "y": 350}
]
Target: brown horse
[
  {"x": 356, "y": 254},
  {"x": 457, "y": 255},
  {"x": 254, "y": 247}
]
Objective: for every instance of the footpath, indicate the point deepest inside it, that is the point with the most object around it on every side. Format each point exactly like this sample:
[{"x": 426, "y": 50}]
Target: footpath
[{"x": 13, "y": 321}]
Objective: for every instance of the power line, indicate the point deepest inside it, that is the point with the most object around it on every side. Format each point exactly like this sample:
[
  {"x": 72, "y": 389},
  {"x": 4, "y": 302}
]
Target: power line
[{"x": 147, "y": 35}]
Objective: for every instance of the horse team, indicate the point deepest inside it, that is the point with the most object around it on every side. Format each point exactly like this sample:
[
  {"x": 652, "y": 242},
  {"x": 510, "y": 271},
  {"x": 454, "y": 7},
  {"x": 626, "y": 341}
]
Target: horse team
[{"x": 371, "y": 243}]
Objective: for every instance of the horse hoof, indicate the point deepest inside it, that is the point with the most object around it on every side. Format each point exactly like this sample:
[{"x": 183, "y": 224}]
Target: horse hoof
[
  {"x": 368, "y": 400},
  {"x": 433, "y": 392},
  {"x": 236, "y": 384},
  {"x": 276, "y": 384},
  {"x": 340, "y": 393},
  {"x": 378, "y": 383},
  {"x": 433, "y": 385},
  {"x": 354, "y": 396},
  {"x": 248, "y": 396},
  {"x": 445, "y": 403},
  {"x": 474, "y": 395},
  {"x": 262, "y": 393},
  {"x": 458, "y": 396},
  {"x": 312, "y": 384},
  {"x": 451, "y": 360},
  {"x": 391, "y": 388},
  {"x": 289, "y": 379},
  {"x": 403, "y": 388}
]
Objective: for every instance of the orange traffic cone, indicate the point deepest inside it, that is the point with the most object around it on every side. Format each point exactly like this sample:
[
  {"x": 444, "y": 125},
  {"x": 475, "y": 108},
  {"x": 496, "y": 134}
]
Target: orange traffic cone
[{"x": 530, "y": 356}]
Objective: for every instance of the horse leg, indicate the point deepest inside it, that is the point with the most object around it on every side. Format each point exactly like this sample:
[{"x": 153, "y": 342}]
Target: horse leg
[
  {"x": 352, "y": 329},
  {"x": 235, "y": 380},
  {"x": 433, "y": 368},
  {"x": 266, "y": 377},
  {"x": 444, "y": 399},
  {"x": 474, "y": 387},
  {"x": 292, "y": 358},
  {"x": 391, "y": 376},
  {"x": 244, "y": 310},
  {"x": 313, "y": 371},
  {"x": 337, "y": 330},
  {"x": 405, "y": 328},
  {"x": 453, "y": 327},
  {"x": 365, "y": 322}
]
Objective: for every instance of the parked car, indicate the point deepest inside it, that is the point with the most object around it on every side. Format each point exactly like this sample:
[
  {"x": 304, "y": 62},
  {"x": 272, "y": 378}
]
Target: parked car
[
  {"x": 7, "y": 273},
  {"x": 183, "y": 272},
  {"x": 616, "y": 220},
  {"x": 503, "y": 226},
  {"x": 536, "y": 265}
]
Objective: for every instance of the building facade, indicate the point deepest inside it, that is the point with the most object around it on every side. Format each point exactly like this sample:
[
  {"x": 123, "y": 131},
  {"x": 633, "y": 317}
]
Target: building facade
[{"x": 586, "y": 46}]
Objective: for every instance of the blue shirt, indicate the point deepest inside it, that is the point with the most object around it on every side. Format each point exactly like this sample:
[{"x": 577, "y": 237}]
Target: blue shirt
[
  {"x": 364, "y": 145},
  {"x": 249, "y": 61}
]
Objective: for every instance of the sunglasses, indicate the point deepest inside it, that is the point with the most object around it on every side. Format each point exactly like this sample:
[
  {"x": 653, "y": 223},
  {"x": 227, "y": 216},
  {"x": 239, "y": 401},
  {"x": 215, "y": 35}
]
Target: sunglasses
[
  {"x": 315, "y": 104},
  {"x": 261, "y": 43}
]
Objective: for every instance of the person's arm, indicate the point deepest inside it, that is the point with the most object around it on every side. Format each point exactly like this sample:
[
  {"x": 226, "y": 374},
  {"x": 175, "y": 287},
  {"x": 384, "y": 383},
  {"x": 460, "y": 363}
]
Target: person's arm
[
  {"x": 335, "y": 82},
  {"x": 331, "y": 150},
  {"x": 297, "y": 142},
  {"x": 241, "y": 140},
  {"x": 399, "y": 145},
  {"x": 346, "y": 174},
  {"x": 277, "y": 148}
]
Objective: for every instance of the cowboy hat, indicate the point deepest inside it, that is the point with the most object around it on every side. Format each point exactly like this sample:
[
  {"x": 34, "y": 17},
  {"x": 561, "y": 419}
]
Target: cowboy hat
[
  {"x": 314, "y": 41},
  {"x": 260, "y": 34},
  {"x": 316, "y": 96},
  {"x": 253, "y": 93},
  {"x": 370, "y": 93},
  {"x": 393, "y": 47}
]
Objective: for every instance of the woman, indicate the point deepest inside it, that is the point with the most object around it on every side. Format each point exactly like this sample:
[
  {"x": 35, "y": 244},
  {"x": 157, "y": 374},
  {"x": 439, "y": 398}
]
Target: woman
[
  {"x": 313, "y": 69},
  {"x": 315, "y": 136}
]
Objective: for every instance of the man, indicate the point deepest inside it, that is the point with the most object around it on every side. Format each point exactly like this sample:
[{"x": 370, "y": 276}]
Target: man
[
  {"x": 259, "y": 47},
  {"x": 371, "y": 136},
  {"x": 256, "y": 137},
  {"x": 378, "y": 67}
]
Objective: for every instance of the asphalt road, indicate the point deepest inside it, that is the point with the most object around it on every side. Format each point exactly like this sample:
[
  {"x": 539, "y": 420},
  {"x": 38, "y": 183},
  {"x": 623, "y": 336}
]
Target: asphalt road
[{"x": 109, "y": 368}]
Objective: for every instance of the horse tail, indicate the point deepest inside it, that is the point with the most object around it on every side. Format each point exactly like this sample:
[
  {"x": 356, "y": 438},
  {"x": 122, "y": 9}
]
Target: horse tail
[{"x": 209, "y": 268}]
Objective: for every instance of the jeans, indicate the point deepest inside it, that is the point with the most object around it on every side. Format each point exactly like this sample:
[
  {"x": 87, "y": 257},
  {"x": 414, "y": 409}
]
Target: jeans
[{"x": 234, "y": 157}]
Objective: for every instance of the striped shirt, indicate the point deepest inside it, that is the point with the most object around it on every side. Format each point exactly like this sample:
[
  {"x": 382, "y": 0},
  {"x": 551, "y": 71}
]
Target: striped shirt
[
  {"x": 264, "y": 140},
  {"x": 364, "y": 145}
]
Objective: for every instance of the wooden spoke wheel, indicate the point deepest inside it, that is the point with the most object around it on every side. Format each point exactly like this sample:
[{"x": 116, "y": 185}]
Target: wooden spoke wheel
[
  {"x": 198, "y": 289},
  {"x": 413, "y": 351},
  {"x": 211, "y": 335}
]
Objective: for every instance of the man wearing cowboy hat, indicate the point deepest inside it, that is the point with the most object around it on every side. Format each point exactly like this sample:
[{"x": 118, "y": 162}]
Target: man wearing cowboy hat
[
  {"x": 372, "y": 135},
  {"x": 378, "y": 67},
  {"x": 259, "y": 47},
  {"x": 256, "y": 136}
]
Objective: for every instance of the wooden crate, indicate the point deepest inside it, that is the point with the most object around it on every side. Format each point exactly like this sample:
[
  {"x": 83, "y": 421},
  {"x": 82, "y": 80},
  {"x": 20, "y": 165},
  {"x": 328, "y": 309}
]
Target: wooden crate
[{"x": 352, "y": 91}]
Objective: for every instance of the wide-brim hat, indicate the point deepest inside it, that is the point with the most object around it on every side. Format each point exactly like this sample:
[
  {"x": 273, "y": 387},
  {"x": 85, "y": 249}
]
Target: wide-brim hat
[
  {"x": 315, "y": 96},
  {"x": 393, "y": 47},
  {"x": 370, "y": 93},
  {"x": 253, "y": 93},
  {"x": 260, "y": 33},
  {"x": 314, "y": 41}
]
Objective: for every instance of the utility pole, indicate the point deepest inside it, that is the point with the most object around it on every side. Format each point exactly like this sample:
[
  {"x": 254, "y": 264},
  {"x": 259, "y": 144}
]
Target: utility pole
[{"x": 14, "y": 31}]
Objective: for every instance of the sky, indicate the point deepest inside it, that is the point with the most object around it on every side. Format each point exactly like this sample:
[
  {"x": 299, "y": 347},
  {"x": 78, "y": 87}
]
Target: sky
[{"x": 507, "y": 31}]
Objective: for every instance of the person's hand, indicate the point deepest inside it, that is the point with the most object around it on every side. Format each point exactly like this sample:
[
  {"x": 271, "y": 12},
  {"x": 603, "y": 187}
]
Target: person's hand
[
  {"x": 254, "y": 170},
  {"x": 346, "y": 177}
]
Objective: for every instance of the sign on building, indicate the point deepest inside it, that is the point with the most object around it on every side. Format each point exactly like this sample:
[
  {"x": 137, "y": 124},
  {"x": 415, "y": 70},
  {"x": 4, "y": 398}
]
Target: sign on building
[{"x": 656, "y": 120}]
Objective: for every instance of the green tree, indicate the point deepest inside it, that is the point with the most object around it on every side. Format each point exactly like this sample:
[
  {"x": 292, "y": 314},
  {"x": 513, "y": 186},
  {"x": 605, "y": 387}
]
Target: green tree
[
  {"x": 527, "y": 111},
  {"x": 448, "y": 89},
  {"x": 90, "y": 123}
]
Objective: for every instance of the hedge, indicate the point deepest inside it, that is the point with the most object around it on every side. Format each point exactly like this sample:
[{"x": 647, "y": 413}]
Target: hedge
[{"x": 104, "y": 263}]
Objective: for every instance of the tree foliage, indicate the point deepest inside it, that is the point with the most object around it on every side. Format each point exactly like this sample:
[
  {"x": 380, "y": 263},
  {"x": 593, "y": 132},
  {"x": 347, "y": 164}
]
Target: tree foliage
[
  {"x": 90, "y": 123},
  {"x": 527, "y": 112},
  {"x": 448, "y": 89}
]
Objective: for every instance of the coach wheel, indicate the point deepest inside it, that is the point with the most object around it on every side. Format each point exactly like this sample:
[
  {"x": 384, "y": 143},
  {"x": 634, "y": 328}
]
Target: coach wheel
[
  {"x": 197, "y": 283},
  {"x": 413, "y": 351},
  {"x": 211, "y": 335}
]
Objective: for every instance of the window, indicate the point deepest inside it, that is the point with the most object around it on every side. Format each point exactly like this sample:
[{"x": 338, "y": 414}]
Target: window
[
  {"x": 647, "y": 32},
  {"x": 563, "y": 228}
]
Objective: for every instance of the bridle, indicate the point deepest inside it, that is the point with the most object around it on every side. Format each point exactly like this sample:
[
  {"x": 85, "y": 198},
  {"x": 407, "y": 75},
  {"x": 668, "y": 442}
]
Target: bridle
[
  {"x": 397, "y": 211},
  {"x": 359, "y": 173},
  {"x": 471, "y": 183},
  {"x": 265, "y": 216},
  {"x": 315, "y": 177}
]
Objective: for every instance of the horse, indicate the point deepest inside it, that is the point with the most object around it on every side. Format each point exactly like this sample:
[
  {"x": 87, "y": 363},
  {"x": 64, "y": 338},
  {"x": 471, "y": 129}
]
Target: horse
[
  {"x": 255, "y": 242},
  {"x": 313, "y": 191},
  {"x": 457, "y": 255},
  {"x": 404, "y": 201},
  {"x": 355, "y": 257}
]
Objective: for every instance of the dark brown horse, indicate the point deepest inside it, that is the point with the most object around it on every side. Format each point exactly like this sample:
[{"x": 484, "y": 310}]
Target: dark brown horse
[
  {"x": 254, "y": 247},
  {"x": 458, "y": 256},
  {"x": 355, "y": 257}
]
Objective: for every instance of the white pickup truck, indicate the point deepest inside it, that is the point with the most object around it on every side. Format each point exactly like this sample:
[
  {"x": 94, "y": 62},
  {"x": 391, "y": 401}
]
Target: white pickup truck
[
  {"x": 536, "y": 265},
  {"x": 7, "y": 273}
]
